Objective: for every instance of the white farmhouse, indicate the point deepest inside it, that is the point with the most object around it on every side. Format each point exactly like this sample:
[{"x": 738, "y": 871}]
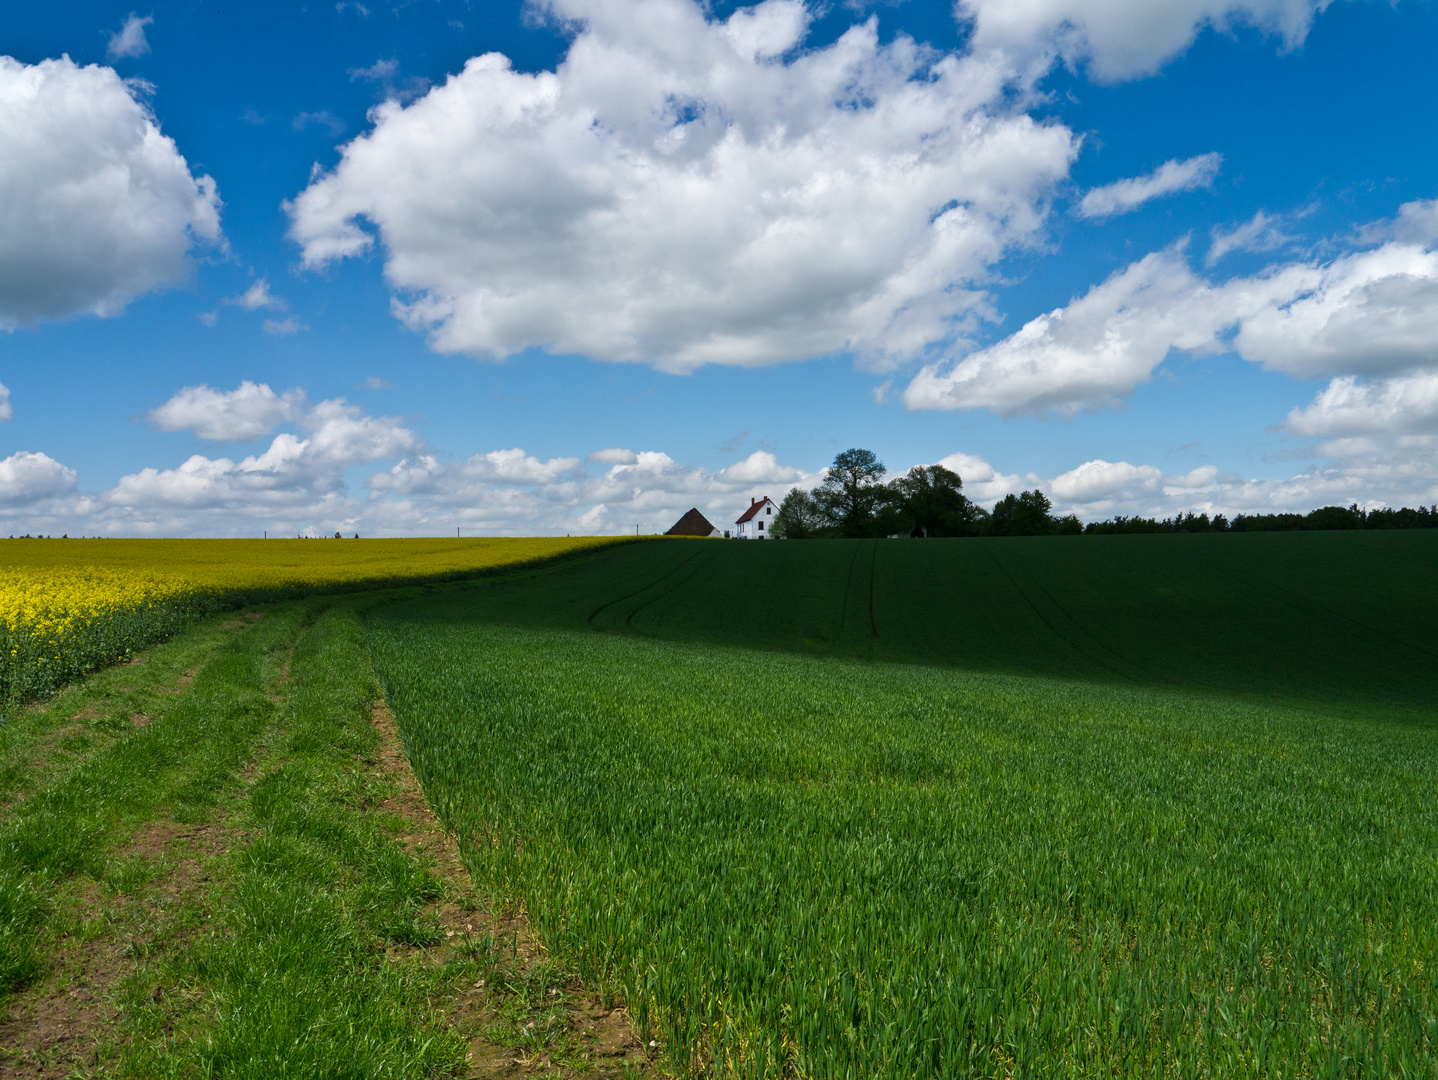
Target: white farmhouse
[{"x": 756, "y": 522}]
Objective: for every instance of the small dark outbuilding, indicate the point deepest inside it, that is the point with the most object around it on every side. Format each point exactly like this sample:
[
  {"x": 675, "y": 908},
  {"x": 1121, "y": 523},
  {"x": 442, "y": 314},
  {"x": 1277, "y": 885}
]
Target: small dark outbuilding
[{"x": 692, "y": 524}]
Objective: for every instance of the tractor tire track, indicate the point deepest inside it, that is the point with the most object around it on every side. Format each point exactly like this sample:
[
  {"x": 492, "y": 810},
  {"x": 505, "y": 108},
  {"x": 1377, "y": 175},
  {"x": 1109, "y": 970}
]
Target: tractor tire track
[
  {"x": 1295, "y": 597},
  {"x": 873, "y": 562},
  {"x": 1066, "y": 638},
  {"x": 848, "y": 587},
  {"x": 669, "y": 591},
  {"x": 641, "y": 590}
]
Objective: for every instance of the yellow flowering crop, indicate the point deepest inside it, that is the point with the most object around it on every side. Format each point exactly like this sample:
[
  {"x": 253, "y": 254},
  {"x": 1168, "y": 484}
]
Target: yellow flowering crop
[{"x": 68, "y": 607}]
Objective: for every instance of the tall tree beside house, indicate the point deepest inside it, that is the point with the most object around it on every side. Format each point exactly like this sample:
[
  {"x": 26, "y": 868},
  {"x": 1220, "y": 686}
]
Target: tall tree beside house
[
  {"x": 853, "y": 494},
  {"x": 929, "y": 501},
  {"x": 800, "y": 517}
]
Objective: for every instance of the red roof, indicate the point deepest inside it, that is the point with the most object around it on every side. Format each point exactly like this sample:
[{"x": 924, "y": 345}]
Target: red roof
[{"x": 755, "y": 505}]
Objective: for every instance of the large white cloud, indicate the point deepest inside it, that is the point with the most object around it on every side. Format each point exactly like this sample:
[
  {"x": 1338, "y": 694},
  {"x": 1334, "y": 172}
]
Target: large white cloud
[
  {"x": 683, "y": 191},
  {"x": 1369, "y": 312},
  {"x": 1097, "y": 479},
  {"x": 249, "y": 411},
  {"x": 26, "y": 477},
  {"x": 96, "y": 205},
  {"x": 1403, "y": 405},
  {"x": 1094, "y": 350},
  {"x": 1372, "y": 312},
  {"x": 1120, "y": 39},
  {"x": 1386, "y": 428}
]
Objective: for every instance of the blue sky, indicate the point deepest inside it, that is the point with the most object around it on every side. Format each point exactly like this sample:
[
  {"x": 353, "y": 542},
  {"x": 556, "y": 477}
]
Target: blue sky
[{"x": 576, "y": 266}]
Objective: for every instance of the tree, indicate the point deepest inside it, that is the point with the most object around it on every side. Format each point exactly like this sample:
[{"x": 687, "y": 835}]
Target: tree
[
  {"x": 800, "y": 517},
  {"x": 1026, "y": 514},
  {"x": 1068, "y": 525},
  {"x": 931, "y": 502},
  {"x": 1334, "y": 517},
  {"x": 853, "y": 493}
]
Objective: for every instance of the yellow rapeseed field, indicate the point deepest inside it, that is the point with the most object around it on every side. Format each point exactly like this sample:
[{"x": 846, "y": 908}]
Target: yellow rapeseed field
[{"x": 68, "y": 607}]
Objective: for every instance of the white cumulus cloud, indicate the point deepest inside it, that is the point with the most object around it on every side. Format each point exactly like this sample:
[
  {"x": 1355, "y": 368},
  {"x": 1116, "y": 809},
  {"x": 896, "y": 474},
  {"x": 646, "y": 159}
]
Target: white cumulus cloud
[
  {"x": 1121, "y": 39},
  {"x": 1091, "y": 352},
  {"x": 1260, "y": 233},
  {"x": 681, "y": 191},
  {"x": 614, "y": 455},
  {"x": 760, "y": 467},
  {"x": 1097, "y": 479},
  {"x": 1172, "y": 176},
  {"x": 463, "y": 481},
  {"x": 129, "y": 40},
  {"x": 257, "y": 297},
  {"x": 296, "y": 474},
  {"x": 982, "y": 482},
  {"x": 250, "y": 411},
  {"x": 1406, "y": 404},
  {"x": 26, "y": 477},
  {"x": 96, "y": 205},
  {"x": 6, "y": 410},
  {"x": 512, "y": 491},
  {"x": 1371, "y": 312},
  {"x": 1102, "y": 489}
]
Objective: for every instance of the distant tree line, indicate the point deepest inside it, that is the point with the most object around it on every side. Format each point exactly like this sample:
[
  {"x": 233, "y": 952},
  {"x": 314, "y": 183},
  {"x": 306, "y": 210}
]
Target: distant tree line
[
  {"x": 856, "y": 501},
  {"x": 1325, "y": 517}
]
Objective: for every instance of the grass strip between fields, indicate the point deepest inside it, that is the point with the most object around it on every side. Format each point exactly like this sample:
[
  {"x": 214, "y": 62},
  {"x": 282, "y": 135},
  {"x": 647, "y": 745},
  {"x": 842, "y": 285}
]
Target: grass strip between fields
[{"x": 222, "y": 866}]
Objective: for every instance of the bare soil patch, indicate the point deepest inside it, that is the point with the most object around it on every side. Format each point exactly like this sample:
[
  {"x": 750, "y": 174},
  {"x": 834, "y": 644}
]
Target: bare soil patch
[
  {"x": 598, "y": 1040},
  {"x": 180, "y": 685},
  {"x": 59, "y": 1025}
]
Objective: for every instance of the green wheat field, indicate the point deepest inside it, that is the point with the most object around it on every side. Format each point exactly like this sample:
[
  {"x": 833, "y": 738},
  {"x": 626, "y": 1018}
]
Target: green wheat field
[
  {"x": 1115, "y": 806},
  {"x": 1098, "y": 806}
]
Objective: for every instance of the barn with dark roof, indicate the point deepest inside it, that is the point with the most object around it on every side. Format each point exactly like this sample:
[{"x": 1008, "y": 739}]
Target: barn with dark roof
[{"x": 692, "y": 524}]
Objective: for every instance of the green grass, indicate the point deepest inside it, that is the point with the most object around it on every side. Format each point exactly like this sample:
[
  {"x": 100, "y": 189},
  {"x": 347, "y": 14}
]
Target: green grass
[
  {"x": 113, "y": 778},
  {"x": 296, "y": 979},
  {"x": 1176, "y": 819},
  {"x": 280, "y": 957}
]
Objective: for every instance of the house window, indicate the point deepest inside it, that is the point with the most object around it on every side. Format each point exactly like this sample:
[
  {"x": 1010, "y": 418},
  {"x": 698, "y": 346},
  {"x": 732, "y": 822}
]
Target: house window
[{"x": 761, "y": 526}]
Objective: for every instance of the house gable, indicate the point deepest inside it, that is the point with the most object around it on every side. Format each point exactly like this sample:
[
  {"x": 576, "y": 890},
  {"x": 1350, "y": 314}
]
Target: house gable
[{"x": 755, "y": 522}]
